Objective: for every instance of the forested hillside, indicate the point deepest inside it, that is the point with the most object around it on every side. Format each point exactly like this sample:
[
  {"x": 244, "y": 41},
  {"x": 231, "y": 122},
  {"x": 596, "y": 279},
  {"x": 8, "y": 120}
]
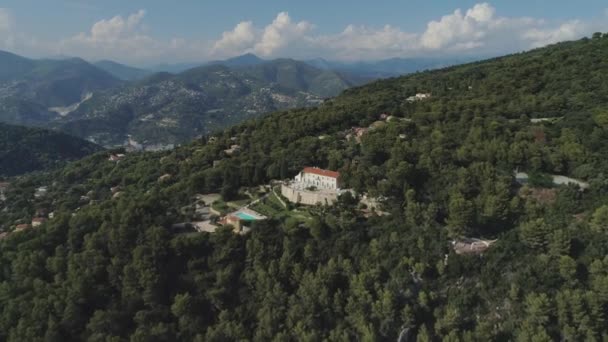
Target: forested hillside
[
  {"x": 123, "y": 72},
  {"x": 110, "y": 267},
  {"x": 30, "y": 149}
]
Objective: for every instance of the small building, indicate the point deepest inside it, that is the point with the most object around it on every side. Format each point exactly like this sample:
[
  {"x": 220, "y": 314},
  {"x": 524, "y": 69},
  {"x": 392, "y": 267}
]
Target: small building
[
  {"x": 41, "y": 192},
  {"x": 471, "y": 246},
  {"x": 418, "y": 97},
  {"x": 21, "y": 227},
  {"x": 164, "y": 177},
  {"x": 241, "y": 220},
  {"x": 116, "y": 157},
  {"x": 232, "y": 150},
  {"x": 313, "y": 177},
  {"x": 3, "y": 187},
  {"x": 313, "y": 186},
  {"x": 37, "y": 221}
]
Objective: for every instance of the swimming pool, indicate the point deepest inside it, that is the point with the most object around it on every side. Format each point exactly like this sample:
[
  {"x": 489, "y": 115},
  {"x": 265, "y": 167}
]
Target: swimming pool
[{"x": 246, "y": 217}]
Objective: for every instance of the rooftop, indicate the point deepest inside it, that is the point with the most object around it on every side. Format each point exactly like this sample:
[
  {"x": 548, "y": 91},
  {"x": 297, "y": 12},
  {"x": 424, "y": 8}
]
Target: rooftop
[{"x": 321, "y": 172}]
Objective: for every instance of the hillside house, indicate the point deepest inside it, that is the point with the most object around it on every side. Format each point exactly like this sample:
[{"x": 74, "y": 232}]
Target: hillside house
[
  {"x": 37, "y": 221},
  {"x": 318, "y": 178},
  {"x": 21, "y": 227},
  {"x": 313, "y": 186},
  {"x": 232, "y": 150},
  {"x": 471, "y": 246},
  {"x": 3, "y": 187},
  {"x": 41, "y": 192},
  {"x": 164, "y": 177},
  {"x": 116, "y": 157},
  {"x": 418, "y": 97},
  {"x": 241, "y": 220}
]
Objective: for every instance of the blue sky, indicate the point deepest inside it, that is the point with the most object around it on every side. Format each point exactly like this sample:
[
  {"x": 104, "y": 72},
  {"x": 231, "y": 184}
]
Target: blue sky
[{"x": 152, "y": 31}]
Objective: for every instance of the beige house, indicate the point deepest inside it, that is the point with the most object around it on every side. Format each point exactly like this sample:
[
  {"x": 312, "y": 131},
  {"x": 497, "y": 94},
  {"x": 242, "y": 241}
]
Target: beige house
[{"x": 313, "y": 186}]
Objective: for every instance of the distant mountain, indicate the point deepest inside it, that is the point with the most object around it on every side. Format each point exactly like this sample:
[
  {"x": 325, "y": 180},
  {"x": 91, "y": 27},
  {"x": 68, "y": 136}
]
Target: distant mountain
[
  {"x": 12, "y": 66},
  {"x": 299, "y": 75},
  {"x": 238, "y": 61},
  {"x": 248, "y": 59},
  {"x": 110, "y": 103},
  {"x": 168, "y": 109},
  {"x": 174, "y": 68},
  {"x": 25, "y": 149},
  {"x": 388, "y": 67},
  {"x": 121, "y": 71},
  {"x": 34, "y": 92}
]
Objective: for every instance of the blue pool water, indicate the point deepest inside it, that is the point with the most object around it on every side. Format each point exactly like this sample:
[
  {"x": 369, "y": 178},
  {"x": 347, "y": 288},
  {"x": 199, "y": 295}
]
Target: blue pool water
[{"x": 245, "y": 216}]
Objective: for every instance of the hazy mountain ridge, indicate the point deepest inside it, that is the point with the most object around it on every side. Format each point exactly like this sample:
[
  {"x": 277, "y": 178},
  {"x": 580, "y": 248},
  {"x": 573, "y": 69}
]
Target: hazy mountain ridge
[
  {"x": 389, "y": 67},
  {"x": 122, "y": 71},
  {"x": 29, "y": 88},
  {"x": 95, "y": 102}
]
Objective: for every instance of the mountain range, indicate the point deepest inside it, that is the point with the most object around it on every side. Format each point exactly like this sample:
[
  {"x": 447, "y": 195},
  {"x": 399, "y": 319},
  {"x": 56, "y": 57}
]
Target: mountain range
[
  {"x": 168, "y": 109},
  {"x": 121, "y": 71},
  {"x": 111, "y": 103}
]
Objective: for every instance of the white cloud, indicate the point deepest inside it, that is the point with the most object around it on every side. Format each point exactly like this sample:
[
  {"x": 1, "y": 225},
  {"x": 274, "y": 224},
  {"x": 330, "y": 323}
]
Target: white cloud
[
  {"x": 115, "y": 37},
  {"x": 363, "y": 42},
  {"x": 478, "y": 30},
  {"x": 6, "y": 28},
  {"x": 457, "y": 28},
  {"x": 566, "y": 31},
  {"x": 280, "y": 33},
  {"x": 6, "y": 20},
  {"x": 239, "y": 40}
]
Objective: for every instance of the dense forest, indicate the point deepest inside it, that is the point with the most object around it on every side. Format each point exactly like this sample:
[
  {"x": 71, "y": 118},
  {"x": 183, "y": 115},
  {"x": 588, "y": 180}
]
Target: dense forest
[
  {"x": 31, "y": 149},
  {"x": 112, "y": 269}
]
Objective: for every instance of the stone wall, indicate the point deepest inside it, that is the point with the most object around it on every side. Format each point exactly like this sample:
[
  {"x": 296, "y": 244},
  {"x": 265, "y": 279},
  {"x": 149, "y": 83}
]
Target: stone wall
[{"x": 308, "y": 197}]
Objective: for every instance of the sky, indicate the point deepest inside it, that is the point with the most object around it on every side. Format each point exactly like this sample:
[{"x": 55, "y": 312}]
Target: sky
[{"x": 146, "y": 32}]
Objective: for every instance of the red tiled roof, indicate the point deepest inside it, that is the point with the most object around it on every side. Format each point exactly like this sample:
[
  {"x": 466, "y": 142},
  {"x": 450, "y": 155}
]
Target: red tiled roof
[{"x": 321, "y": 172}]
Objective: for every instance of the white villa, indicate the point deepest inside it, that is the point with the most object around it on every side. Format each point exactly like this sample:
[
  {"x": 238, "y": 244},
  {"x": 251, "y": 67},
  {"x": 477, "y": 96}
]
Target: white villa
[
  {"x": 418, "y": 97},
  {"x": 313, "y": 186},
  {"x": 318, "y": 178}
]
